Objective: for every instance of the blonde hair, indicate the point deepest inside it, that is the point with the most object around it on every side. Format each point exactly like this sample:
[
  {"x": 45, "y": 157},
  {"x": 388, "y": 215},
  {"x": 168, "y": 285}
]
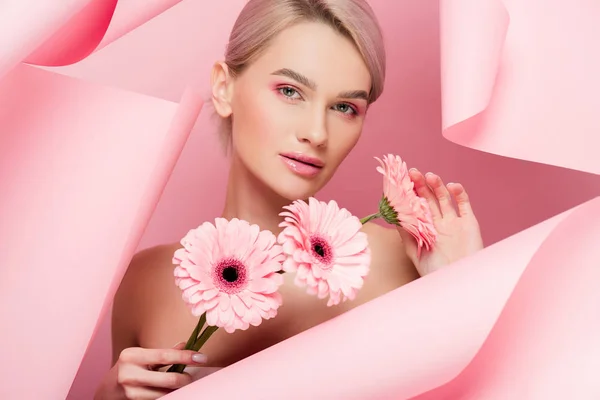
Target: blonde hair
[{"x": 261, "y": 20}]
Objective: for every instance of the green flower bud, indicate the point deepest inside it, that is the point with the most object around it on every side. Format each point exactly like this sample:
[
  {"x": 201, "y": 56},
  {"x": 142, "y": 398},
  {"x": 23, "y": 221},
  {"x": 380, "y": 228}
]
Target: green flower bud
[{"x": 387, "y": 212}]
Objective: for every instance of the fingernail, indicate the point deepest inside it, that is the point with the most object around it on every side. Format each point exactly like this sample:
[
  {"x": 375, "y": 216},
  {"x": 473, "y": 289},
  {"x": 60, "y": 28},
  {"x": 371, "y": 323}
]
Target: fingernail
[
  {"x": 178, "y": 344},
  {"x": 199, "y": 358},
  {"x": 450, "y": 183},
  {"x": 413, "y": 170}
]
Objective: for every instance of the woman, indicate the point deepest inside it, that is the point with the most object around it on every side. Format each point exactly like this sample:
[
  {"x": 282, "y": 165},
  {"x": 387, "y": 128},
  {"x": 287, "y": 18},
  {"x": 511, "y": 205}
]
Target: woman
[{"x": 292, "y": 94}]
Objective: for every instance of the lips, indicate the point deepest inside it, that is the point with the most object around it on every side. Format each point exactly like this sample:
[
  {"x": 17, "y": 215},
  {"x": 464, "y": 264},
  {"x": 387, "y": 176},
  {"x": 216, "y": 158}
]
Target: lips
[
  {"x": 302, "y": 165},
  {"x": 304, "y": 159}
]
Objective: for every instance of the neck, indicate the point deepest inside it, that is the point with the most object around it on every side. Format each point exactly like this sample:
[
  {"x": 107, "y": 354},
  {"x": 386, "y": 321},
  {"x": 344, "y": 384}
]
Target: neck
[{"x": 251, "y": 200}]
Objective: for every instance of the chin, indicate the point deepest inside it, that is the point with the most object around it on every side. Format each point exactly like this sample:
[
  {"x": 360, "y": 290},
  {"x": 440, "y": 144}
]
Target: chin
[{"x": 294, "y": 190}]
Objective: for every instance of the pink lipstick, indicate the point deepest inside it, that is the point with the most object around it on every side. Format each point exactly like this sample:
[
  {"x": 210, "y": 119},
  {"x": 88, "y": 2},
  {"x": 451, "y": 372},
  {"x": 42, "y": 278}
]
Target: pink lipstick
[{"x": 302, "y": 164}]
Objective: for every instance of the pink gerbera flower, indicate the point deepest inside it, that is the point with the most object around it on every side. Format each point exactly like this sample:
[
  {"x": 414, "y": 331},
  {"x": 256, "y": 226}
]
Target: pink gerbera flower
[
  {"x": 326, "y": 249},
  {"x": 400, "y": 205},
  {"x": 230, "y": 271}
]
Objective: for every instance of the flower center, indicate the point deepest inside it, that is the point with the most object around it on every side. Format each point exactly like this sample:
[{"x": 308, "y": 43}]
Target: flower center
[
  {"x": 321, "y": 250},
  {"x": 230, "y": 275}
]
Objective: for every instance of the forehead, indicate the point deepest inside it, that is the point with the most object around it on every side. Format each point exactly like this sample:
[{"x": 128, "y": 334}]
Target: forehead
[{"x": 318, "y": 52}]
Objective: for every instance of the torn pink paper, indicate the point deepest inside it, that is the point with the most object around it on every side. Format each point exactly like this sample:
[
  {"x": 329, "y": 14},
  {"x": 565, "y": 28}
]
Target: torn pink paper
[
  {"x": 82, "y": 168},
  {"x": 520, "y": 79}
]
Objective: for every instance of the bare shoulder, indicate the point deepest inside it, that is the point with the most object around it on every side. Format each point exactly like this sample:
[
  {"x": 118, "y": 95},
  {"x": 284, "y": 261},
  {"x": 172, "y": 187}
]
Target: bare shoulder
[
  {"x": 148, "y": 278},
  {"x": 390, "y": 266},
  {"x": 147, "y": 270}
]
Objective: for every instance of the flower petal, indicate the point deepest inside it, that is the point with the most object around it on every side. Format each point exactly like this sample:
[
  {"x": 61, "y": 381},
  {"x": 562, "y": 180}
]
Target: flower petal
[
  {"x": 230, "y": 305},
  {"x": 347, "y": 246}
]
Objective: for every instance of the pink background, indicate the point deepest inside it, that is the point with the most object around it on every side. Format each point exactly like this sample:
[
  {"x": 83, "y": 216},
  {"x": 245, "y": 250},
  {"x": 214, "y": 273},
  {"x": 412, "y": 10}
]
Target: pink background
[{"x": 509, "y": 195}]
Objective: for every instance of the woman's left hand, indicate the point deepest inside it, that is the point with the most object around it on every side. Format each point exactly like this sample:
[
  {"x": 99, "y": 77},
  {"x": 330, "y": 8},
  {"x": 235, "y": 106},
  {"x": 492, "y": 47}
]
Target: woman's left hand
[{"x": 458, "y": 230}]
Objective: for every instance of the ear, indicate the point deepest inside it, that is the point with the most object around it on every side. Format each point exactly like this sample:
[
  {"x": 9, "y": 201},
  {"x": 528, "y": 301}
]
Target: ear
[{"x": 222, "y": 89}]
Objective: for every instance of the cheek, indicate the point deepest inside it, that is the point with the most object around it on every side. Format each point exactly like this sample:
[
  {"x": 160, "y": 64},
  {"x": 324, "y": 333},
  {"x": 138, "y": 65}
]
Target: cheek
[
  {"x": 258, "y": 123},
  {"x": 343, "y": 136}
]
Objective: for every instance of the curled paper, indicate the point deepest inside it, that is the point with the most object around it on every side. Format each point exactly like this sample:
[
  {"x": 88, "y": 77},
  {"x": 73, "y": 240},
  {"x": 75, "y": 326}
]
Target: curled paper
[
  {"x": 22, "y": 30},
  {"x": 545, "y": 343},
  {"x": 163, "y": 55},
  {"x": 82, "y": 167},
  {"x": 470, "y": 61},
  {"x": 71, "y": 214},
  {"x": 54, "y": 33},
  {"x": 520, "y": 79}
]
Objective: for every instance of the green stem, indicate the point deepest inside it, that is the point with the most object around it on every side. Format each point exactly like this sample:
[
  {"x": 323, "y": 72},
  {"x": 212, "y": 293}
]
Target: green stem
[
  {"x": 190, "y": 343},
  {"x": 206, "y": 334},
  {"x": 194, "y": 336},
  {"x": 369, "y": 218}
]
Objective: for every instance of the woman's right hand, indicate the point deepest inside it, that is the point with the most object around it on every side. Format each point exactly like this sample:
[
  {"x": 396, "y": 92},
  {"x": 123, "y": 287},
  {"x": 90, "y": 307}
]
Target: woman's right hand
[{"x": 136, "y": 375}]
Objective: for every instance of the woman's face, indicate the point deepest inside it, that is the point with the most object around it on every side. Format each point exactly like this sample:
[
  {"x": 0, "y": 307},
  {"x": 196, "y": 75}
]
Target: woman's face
[{"x": 299, "y": 109}]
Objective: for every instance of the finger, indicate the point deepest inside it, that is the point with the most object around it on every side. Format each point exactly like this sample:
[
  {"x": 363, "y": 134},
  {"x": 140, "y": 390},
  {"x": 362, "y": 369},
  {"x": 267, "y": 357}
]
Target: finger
[
  {"x": 423, "y": 190},
  {"x": 141, "y": 356},
  {"x": 441, "y": 193},
  {"x": 140, "y": 377},
  {"x": 156, "y": 367},
  {"x": 410, "y": 243},
  {"x": 462, "y": 199}
]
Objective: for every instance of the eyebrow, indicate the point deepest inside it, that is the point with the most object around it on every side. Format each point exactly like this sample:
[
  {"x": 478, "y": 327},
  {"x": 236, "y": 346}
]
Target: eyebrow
[{"x": 303, "y": 80}]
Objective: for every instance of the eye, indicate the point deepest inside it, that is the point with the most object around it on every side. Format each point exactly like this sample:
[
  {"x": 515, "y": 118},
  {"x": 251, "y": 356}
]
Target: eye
[
  {"x": 289, "y": 92},
  {"x": 345, "y": 108}
]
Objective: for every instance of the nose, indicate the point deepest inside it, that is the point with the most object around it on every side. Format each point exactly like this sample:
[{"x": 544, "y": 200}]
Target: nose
[{"x": 315, "y": 131}]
